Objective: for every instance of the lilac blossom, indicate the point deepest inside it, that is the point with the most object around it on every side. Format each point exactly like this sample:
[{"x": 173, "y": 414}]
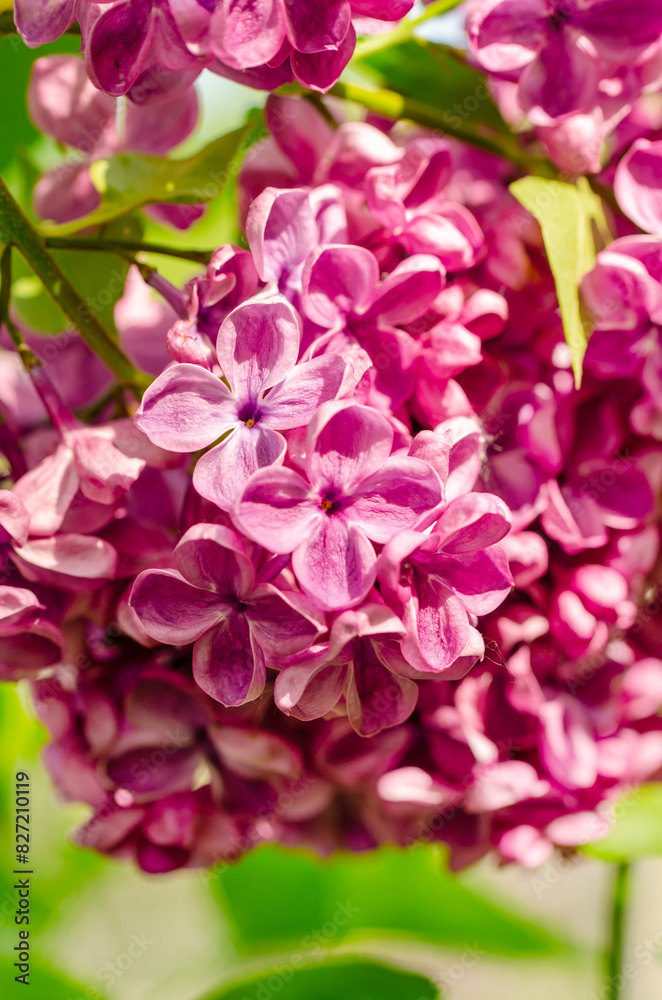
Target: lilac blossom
[
  {"x": 354, "y": 493},
  {"x": 212, "y": 599},
  {"x": 265, "y": 391}
]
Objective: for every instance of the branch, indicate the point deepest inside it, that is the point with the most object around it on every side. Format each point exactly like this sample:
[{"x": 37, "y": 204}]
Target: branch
[
  {"x": 393, "y": 105},
  {"x": 17, "y": 230},
  {"x": 121, "y": 246}
]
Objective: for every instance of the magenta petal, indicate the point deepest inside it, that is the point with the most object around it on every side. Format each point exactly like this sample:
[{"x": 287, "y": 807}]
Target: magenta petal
[
  {"x": 409, "y": 290},
  {"x": 185, "y": 409},
  {"x": 505, "y": 35},
  {"x": 15, "y": 602},
  {"x": 294, "y": 401},
  {"x": 105, "y": 472},
  {"x": 438, "y": 627},
  {"x": 118, "y": 47},
  {"x": 278, "y": 625},
  {"x": 338, "y": 281},
  {"x": 226, "y": 663},
  {"x": 48, "y": 490},
  {"x": 213, "y": 557},
  {"x": 14, "y": 518},
  {"x": 41, "y": 21},
  {"x": 563, "y": 80},
  {"x": 620, "y": 28},
  {"x": 394, "y": 498},
  {"x": 310, "y": 689},
  {"x": 244, "y": 33},
  {"x": 335, "y": 565},
  {"x": 314, "y": 27},
  {"x": 222, "y": 473},
  {"x": 73, "y": 562},
  {"x": 638, "y": 185},
  {"x": 171, "y": 610},
  {"x": 277, "y": 510},
  {"x": 471, "y": 522},
  {"x": 320, "y": 70},
  {"x": 346, "y": 443},
  {"x": 281, "y": 230},
  {"x": 481, "y": 580},
  {"x": 257, "y": 346},
  {"x": 376, "y": 698}
]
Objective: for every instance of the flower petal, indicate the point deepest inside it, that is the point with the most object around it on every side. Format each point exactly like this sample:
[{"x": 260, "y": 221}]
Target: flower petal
[
  {"x": 171, "y": 610},
  {"x": 222, "y": 473},
  {"x": 226, "y": 663},
  {"x": 394, "y": 498},
  {"x": 186, "y": 408},
  {"x": 335, "y": 565}
]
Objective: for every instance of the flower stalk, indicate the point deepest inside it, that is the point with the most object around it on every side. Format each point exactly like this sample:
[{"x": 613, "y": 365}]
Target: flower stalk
[{"x": 614, "y": 955}]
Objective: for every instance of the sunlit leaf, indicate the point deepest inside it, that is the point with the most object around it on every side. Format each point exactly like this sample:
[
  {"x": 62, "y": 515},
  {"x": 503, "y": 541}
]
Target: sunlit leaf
[
  {"x": 128, "y": 181},
  {"x": 427, "y": 72},
  {"x": 565, "y": 213}
]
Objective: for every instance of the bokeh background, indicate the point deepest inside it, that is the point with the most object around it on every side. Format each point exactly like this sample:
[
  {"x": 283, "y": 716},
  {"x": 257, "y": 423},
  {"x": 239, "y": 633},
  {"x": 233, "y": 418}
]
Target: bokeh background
[{"x": 102, "y": 931}]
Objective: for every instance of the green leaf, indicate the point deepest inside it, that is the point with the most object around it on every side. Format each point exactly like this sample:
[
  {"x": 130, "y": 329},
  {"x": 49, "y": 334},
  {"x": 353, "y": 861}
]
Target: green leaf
[
  {"x": 637, "y": 831},
  {"x": 346, "y": 978},
  {"x": 44, "y": 982},
  {"x": 16, "y": 60},
  {"x": 128, "y": 182},
  {"x": 275, "y": 898},
  {"x": 427, "y": 72},
  {"x": 565, "y": 213}
]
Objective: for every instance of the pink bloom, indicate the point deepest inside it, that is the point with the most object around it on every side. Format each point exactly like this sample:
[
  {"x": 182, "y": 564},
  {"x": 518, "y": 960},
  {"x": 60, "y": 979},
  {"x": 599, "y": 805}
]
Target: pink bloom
[
  {"x": 354, "y": 493},
  {"x": 361, "y": 660},
  {"x": 554, "y": 47},
  {"x": 188, "y": 407},
  {"x": 212, "y": 600}
]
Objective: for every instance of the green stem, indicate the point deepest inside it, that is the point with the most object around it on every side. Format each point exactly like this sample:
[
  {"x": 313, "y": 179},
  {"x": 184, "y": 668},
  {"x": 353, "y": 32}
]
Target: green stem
[
  {"x": 392, "y": 105},
  {"x": 16, "y": 229},
  {"x": 120, "y": 246},
  {"x": 404, "y": 30},
  {"x": 27, "y": 357},
  {"x": 614, "y": 955}
]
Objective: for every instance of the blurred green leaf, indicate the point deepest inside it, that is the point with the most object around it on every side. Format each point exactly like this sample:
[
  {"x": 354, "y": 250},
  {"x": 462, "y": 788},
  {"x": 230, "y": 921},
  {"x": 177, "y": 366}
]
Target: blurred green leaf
[
  {"x": 128, "y": 181},
  {"x": 341, "y": 978},
  {"x": 637, "y": 831},
  {"x": 16, "y": 60},
  {"x": 45, "y": 983},
  {"x": 427, "y": 72},
  {"x": 566, "y": 214},
  {"x": 276, "y": 897}
]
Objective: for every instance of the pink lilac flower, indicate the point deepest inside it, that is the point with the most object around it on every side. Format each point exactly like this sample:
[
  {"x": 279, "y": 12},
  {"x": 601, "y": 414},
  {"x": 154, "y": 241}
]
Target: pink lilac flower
[
  {"x": 148, "y": 48},
  {"x": 265, "y": 391},
  {"x": 559, "y": 50},
  {"x": 624, "y": 295},
  {"x": 212, "y": 599},
  {"x": 352, "y": 494},
  {"x": 362, "y": 662}
]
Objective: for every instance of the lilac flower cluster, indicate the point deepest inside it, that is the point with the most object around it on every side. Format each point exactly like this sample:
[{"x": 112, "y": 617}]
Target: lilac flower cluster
[
  {"x": 365, "y": 566},
  {"x": 152, "y": 49}
]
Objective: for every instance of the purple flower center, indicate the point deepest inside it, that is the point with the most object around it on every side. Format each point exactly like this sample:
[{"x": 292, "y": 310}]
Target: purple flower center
[
  {"x": 249, "y": 414},
  {"x": 330, "y": 504},
  {"x": 558, "y": 19}
]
